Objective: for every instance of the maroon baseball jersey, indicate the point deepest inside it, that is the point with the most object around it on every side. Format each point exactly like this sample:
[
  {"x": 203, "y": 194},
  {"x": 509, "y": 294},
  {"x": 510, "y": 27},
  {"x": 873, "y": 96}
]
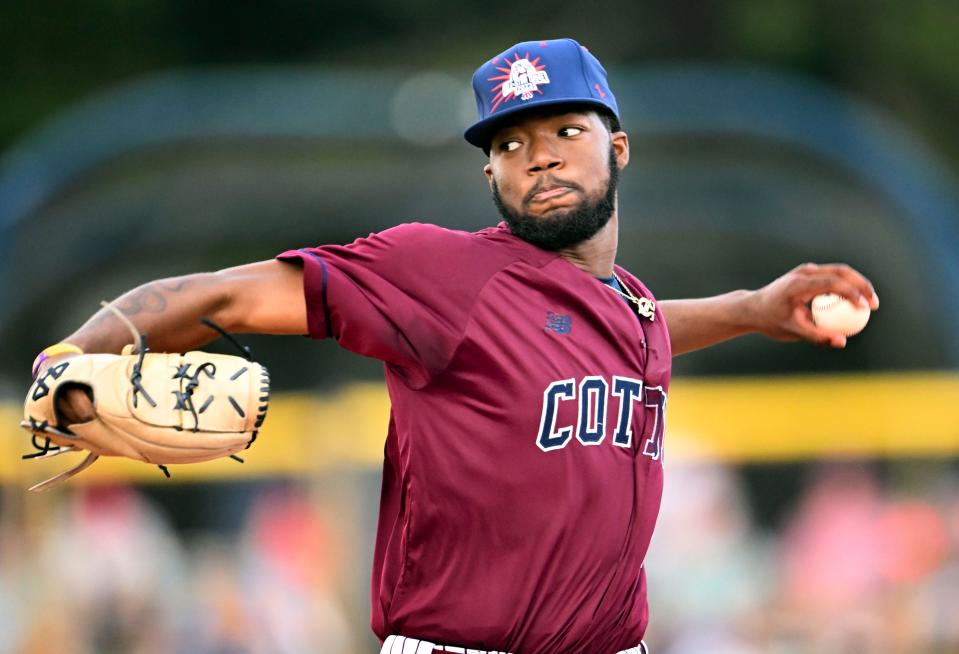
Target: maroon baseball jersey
[{"x": 523, "y": 468}]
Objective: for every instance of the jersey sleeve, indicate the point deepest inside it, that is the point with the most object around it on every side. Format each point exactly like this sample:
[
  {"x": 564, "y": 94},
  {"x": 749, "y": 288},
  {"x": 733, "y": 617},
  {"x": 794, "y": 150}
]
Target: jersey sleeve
[{"x": 402, "y": 296}]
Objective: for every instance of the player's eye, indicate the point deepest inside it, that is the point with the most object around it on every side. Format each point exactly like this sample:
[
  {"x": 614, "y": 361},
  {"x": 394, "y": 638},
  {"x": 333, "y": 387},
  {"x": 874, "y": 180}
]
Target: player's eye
[
  {"x": 571, "y": 131},
  {"x": 508, "y": 146}
]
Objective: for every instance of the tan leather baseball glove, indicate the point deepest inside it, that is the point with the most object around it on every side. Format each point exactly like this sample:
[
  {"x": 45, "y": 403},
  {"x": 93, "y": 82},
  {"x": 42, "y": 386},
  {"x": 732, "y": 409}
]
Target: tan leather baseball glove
[{"x": 158, "y": 408}]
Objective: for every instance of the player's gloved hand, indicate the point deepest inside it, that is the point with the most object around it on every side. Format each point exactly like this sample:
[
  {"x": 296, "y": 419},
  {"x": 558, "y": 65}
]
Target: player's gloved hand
[
  {"x": 781, "y": 308},
  {"x": 158, "y": 408}
]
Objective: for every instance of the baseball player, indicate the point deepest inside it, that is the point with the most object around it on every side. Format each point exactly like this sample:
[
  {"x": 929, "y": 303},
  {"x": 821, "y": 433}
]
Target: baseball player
[{"x": 528, "y": 373}]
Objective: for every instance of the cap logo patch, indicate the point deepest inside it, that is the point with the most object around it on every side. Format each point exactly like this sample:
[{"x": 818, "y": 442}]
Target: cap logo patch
[{"x": 521, "y": 80}]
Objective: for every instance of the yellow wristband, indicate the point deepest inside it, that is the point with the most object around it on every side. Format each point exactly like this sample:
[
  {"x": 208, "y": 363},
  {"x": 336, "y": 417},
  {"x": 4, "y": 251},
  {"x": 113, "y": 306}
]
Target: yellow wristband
[{"x": 52, "y": 351}]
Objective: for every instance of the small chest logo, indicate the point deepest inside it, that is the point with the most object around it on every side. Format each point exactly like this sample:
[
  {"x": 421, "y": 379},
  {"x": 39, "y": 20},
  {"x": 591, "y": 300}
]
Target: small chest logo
[
  {"x": 521, "y": 80},
  {"x": 558, "y": 323}
]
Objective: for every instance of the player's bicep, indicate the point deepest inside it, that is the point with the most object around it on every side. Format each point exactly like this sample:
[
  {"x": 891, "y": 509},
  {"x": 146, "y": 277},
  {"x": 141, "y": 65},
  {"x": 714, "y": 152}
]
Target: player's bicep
[{"x": 265, "y": 297}]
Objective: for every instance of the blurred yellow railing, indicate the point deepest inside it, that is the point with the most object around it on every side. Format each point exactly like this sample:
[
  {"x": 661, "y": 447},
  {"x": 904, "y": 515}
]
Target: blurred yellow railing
[{"x": 737, "y": 420}]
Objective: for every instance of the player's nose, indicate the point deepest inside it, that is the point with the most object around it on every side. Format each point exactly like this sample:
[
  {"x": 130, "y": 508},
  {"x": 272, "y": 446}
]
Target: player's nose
[{"x": 542, "y": 156}]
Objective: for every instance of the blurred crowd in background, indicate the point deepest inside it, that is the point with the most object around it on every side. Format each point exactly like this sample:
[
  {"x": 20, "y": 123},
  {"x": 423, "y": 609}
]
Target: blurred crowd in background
[
  {"x": 858, "y": 565},
  {"x": 864, "y": 561},
  {"x": 105, "y": 572}
]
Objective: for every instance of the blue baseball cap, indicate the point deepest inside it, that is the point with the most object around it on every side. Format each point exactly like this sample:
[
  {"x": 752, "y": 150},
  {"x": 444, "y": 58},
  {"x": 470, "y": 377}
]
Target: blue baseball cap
[{"x": 536, "y": 74}]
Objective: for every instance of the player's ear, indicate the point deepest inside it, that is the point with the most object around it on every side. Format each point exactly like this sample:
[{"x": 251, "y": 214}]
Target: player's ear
[
  {"x": 620, "y": 142},
  {"x": 488, "y": 170}
]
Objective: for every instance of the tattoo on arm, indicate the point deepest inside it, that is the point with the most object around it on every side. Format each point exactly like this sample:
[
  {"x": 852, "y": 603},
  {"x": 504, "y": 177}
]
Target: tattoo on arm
[
  {"x": 146, "y": 299},
  {"x": 167, "y": 310}
]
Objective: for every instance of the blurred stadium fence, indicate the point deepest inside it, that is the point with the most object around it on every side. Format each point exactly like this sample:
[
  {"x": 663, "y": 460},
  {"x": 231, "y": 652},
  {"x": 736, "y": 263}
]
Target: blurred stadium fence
[{"x": 725, "y": 420}]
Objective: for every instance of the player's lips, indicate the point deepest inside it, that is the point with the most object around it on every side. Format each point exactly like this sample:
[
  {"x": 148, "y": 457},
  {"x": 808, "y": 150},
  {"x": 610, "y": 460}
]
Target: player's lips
[
  {"x": 550, "y": 189},
  {"x": 550, "y": 193}
]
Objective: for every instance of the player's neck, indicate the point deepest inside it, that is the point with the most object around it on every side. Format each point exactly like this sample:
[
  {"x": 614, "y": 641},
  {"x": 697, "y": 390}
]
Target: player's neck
[{"x": 598, "y": 254}]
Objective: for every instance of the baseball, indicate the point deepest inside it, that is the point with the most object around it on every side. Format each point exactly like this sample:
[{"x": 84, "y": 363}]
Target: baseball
[{"x": 836, "y": 313}]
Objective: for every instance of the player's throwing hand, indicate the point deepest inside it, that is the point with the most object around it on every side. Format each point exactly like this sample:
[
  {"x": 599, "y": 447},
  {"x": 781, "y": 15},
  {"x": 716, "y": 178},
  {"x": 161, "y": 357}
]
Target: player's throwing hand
[{"x": 781, "y": 308}]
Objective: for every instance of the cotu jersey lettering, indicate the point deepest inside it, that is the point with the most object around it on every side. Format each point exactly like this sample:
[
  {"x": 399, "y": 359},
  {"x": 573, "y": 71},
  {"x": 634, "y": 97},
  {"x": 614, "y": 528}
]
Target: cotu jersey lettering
[
  {"x": 594, "y": 397},
  {"x": 523, "y": 460}
]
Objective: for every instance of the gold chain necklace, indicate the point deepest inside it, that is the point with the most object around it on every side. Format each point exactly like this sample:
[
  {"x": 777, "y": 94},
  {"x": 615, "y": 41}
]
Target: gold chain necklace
[{"x": 644, "y": 306}]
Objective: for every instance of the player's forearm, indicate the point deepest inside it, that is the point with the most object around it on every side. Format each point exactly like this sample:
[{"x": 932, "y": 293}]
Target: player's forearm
[
  {"x": 168, "y": 311},
  {"x": 263, "y": 297},
  {"x": 698, "y": 323}
]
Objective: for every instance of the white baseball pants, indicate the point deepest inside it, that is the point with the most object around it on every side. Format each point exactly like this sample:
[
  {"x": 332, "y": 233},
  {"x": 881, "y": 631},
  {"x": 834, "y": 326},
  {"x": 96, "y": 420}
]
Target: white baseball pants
[{"x": 404, "y": 645}]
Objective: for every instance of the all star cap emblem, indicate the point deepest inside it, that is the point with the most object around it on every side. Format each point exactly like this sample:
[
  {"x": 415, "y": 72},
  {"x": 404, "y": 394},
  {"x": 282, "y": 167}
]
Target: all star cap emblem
[{"x": 524, "y": 79}]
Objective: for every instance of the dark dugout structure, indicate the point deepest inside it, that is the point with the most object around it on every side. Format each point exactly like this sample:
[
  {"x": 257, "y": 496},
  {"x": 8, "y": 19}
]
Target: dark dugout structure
[{"x": 736, "y": 175}]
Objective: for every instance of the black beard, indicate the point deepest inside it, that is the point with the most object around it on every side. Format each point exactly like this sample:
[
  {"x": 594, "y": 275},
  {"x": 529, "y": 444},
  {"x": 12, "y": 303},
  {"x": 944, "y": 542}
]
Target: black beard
[{"x": 564, "y": 228}]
